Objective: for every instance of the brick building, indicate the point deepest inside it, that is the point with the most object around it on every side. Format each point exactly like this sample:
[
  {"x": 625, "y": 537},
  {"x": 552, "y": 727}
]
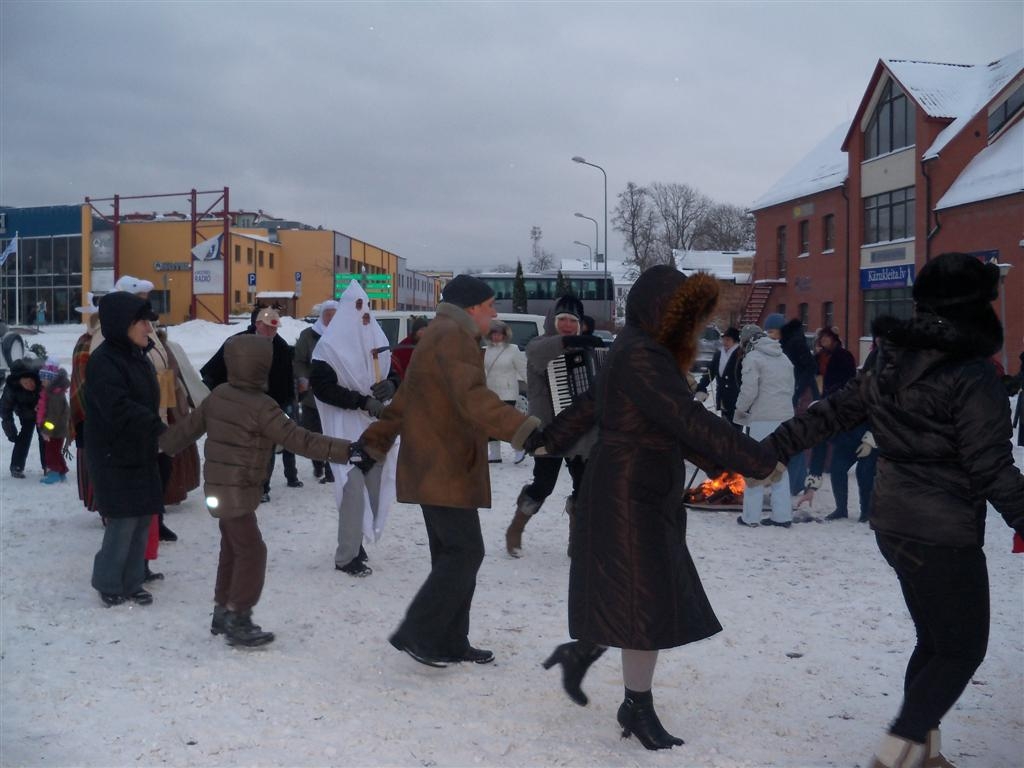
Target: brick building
[{"x": 932, "y": 161}]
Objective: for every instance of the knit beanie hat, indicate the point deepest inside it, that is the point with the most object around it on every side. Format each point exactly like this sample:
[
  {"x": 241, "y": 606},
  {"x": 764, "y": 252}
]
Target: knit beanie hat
[
  {"x": 569, "y": 305},
  {"x": 749, "y": 335},
  {"x": 466, "y": 291},
  {"x": 49, "y": 370},
  {"x": 774, "y": 322}
]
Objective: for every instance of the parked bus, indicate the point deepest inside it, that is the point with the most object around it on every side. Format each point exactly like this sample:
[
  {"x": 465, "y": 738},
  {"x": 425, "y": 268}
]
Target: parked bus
[{"x": 594, "y": 289}]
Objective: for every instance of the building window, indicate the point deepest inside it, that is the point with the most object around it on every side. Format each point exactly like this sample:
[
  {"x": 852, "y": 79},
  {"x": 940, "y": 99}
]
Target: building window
[
  {"x": 829, "y": 233},
  {"x": 780, "y": 250},
  {"x": 803, "y": 313},
  {"x": 238, "y": 254},
  {"x": 805, "y": 237},
  {"x": 1001, "y": 114},
  {"x": 270, "y": 256},
  {"x": 248, "y": 256},
  {"x": 238, "y": 298},
  {"x": 898, "y": 302},
  {"x": 828, "y": 314},
  {"x": 780, "y": 309},
  {"x": 261, "y": 258},
  {"x": 892, "y": 123},
  {"x": 889, "y": 216}
]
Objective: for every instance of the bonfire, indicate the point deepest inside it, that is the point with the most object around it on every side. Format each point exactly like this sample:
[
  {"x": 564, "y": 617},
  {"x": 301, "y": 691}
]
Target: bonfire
[{"x": 724, "y": 490}]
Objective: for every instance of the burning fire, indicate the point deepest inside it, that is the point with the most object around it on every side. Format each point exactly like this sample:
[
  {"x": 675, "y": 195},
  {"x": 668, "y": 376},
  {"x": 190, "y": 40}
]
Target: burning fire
[{"x": 727, "y": 488}]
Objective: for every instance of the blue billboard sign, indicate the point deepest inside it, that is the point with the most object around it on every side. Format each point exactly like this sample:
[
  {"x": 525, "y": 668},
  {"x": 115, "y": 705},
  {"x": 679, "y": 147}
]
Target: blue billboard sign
[{"x": 892, "y": 276}]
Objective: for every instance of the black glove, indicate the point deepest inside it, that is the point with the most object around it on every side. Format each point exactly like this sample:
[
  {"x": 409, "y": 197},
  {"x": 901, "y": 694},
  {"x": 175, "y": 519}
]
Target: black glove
[
  {"x": 10, "y": 431},
  {"x": 383, "y": 390},
  {"x": 373, "y": 406},
  {"x": 534, "y": 441},
  {"x": 581, "y": 342},
  {"x": 358, "y": 457}
]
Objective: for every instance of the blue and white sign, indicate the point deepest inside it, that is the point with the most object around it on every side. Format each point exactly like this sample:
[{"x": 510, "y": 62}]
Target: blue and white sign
[
  {"x": 298, "y": 277},
  {"x": 208, "y": 267},
  {"x": 893, "y": 276},
  {"x": 252, "y": 279}
]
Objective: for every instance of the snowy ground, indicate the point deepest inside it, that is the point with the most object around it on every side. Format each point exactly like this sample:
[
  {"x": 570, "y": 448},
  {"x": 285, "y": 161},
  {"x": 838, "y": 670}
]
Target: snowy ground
[{"x": 807, "y": 672}]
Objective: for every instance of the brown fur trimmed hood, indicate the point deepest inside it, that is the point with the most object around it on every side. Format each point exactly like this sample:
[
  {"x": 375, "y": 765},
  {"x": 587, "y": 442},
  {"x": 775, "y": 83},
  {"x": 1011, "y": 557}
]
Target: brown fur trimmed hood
[{"x": 670, "y": 308}]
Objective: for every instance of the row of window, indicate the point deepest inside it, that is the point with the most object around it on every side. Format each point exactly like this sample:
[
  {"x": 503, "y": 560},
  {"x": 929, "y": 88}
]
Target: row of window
[
  {"x": 897, "y": 302},
  {"x": 47, "y": 255},
  {"x": 828, "y": 239},
  {"x": 1001, "y": 114},
  {"x": 249, "y": 257}
]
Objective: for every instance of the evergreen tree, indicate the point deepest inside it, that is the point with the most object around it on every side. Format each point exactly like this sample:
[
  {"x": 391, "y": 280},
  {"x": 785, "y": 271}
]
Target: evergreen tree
[
  {"x": 562, "y": 286},
  {"x": 519, "y": 290}
]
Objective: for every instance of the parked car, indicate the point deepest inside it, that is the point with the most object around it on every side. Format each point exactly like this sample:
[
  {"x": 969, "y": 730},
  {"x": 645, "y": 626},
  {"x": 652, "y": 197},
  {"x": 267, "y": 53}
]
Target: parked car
[
  {"x": 708, "y": 343},
  {"x": 396, "y": 324}
]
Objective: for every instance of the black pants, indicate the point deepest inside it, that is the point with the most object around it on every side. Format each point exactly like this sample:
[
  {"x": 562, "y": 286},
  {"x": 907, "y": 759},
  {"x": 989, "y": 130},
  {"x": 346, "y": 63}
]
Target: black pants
[
  {"x": 437, "y": 620},
  {"x": 19, "y": 454},
  {"x": 545, "y": 474},
  {"x": 946, "y": 591}
]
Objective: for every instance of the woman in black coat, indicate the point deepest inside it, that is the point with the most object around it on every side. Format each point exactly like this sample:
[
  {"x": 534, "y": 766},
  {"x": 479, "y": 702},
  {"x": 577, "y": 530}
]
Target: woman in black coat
[
  {"x": 632, "y": 582},
  {"x": 941, "y": 419},
  {"x": 122, "y": 402}
]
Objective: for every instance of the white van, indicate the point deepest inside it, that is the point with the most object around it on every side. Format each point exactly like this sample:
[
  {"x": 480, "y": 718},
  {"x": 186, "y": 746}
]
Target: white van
[{"x": 396, "y": 324}]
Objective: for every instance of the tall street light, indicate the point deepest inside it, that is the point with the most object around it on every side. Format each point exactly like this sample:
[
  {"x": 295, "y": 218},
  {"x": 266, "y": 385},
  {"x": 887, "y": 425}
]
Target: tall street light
[
  {"x": 597, "y": 250},
  {"x": 578, "y": 159},
  {"x": 590, "y": 252}
]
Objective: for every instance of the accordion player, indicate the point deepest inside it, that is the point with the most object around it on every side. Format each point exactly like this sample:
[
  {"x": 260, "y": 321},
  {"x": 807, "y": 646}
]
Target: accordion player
[{"x": 572, "y": 374}]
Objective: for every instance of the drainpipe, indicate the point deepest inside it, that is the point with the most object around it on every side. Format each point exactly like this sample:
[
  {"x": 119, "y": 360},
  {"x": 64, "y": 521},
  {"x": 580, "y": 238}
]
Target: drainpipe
[
  {"x": 928, "y": 212},
  {"x": 846, "y": 303}
]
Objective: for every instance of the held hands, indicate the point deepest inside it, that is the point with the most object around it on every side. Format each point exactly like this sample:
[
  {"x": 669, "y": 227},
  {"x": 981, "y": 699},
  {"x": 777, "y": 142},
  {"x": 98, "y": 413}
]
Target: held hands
[
  {"x": 383, "y": 390},
  {"x": 373, "y": 406},
  {"x": 700, "y": 397},
  {"x": 358, "y": 457},
  {"x": 534, "y": 443},
  {"x": 741, "y": 417},
  {"x": 867, "y": 445}
]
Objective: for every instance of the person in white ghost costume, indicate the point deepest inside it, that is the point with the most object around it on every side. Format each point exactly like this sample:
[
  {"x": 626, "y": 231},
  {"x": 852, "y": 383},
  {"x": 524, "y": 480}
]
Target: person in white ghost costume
[{"x": 351, "y": 379}]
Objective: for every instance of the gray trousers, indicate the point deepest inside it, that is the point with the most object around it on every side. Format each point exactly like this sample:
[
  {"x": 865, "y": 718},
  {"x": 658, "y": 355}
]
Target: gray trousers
[
  {"x": 120, "y": 565},
  {"x": 350, "y": 514}
]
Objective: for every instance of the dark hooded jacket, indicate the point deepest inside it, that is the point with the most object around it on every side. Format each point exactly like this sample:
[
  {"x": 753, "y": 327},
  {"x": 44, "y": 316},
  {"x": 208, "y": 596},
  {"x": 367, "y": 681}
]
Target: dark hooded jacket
[
  {"x": 243, "y": 424},
  {"x": 16, "y": 400},
  {"x": 794, "y": 345},
  {"x": 122, "y": 407},
  {"x": 941, "y": 419},
  {"x": 632, "y": 581},
  {"x": 280, "y": 378}
]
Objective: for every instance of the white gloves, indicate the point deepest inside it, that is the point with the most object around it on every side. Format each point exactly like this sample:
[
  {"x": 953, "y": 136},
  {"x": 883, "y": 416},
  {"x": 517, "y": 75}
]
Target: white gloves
[
  {"x": 867, "y": 445},
  {"x": 741, "y": 417},
  {"x": 812, "y": 482},
  {"x": 700, "y": 397}
]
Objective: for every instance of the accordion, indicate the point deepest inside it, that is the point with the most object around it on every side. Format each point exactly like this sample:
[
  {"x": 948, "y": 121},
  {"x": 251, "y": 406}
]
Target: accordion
[{"x": 572, "y": 374}]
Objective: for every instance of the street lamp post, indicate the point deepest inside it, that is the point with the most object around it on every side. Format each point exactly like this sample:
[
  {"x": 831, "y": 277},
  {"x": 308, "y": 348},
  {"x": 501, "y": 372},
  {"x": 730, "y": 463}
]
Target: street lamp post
[
  {"x": 1003, "y": 271},
  {"x": 578, "y": 159},
  {"x": 597, "y": 250},
  {"x": 590, "y": 252}
]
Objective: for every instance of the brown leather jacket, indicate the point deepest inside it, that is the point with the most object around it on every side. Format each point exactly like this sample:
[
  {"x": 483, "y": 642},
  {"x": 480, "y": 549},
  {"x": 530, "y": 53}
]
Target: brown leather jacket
[{"x": 243, "y": 424}]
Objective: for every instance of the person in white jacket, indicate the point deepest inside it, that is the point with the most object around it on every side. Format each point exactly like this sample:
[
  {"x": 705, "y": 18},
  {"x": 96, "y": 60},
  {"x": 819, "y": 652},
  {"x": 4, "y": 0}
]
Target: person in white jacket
[
  {"x": 505, "y": 366},
  {"x": 764, "y": 402}
]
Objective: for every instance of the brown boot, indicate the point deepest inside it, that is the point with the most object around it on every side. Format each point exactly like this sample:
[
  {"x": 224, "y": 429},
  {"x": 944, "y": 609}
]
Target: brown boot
[
  {"x": 525, "y": 509},
  {"x": 935, "y": 758}
]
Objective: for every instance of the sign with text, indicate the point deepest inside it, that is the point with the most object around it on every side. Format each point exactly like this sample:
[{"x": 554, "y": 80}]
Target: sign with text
[
  {"x": 893, "y": 276},
  {"x": 208, "y": 267}
]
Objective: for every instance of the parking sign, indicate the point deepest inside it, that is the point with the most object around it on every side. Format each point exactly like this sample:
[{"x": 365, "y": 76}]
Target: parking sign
[{"x": 252, "y": 279}]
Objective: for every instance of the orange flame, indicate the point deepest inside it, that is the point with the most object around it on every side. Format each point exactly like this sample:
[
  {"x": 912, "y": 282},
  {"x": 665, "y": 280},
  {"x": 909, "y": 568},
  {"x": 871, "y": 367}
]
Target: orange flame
[{"x": 731, "y": 480}]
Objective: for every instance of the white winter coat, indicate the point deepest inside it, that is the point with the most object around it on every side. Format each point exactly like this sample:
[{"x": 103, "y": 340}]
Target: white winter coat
[
  {"x": 505, "y": 366},
  {"x": 767, "y": 384}
]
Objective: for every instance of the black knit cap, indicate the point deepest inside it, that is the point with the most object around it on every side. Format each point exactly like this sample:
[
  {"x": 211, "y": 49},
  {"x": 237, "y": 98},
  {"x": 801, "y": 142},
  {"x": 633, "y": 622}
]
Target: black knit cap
[
  {"x": 466, "y": 291},
  {"x": 569, "y": 305}
]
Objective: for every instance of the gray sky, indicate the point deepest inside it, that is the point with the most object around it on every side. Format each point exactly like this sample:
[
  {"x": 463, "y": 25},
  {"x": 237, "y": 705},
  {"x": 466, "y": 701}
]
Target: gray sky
[{"x": 444, "y": 131}]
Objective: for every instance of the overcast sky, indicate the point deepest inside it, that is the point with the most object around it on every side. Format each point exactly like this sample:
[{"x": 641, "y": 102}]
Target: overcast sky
[{"x": 443, "y": 131}]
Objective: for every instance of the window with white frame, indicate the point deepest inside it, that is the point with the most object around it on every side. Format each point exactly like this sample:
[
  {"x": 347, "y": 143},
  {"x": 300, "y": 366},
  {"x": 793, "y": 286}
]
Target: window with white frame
[
  {"x": 889, "y": 216},
  {"x": 892, "y": 123}
]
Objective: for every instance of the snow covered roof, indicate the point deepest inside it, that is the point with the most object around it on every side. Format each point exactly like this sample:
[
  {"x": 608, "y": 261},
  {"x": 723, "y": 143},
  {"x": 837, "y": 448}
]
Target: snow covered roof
[
  {"x": 825, "y": 167},
  {"x": 275, "y": 295},
  {"x": 958, "y": 93},
  {"x": 718, "y": 263},
  {"x": 996, "y": 171}
]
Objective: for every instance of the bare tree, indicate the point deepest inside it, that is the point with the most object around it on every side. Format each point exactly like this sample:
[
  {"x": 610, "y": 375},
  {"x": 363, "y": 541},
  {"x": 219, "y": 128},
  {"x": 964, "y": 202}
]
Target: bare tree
[
  {"x": 541, "y": 259},
  {"x": 724, "y": 227},
  {"x": 681, "y": 209},
  {"x": 634, "y": 217}
]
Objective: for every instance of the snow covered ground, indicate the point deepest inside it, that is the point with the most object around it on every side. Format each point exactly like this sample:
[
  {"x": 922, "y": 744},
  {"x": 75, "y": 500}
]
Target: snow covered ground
[{"x": 807, "y": 672}]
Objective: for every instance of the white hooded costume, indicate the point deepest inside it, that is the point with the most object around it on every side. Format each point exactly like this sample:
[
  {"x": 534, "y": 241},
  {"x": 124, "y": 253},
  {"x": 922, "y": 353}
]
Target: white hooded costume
[{"x": 347, "y": 345}]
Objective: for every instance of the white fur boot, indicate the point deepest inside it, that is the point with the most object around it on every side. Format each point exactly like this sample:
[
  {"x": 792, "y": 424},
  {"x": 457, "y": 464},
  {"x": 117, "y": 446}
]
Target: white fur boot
[
  {"x": 935, "y": 758},
  {"x": 897, "y": 752}
]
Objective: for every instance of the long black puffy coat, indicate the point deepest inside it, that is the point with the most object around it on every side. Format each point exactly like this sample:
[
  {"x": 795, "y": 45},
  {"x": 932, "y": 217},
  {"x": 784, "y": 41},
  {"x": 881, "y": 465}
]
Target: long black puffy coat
[
  {"x": 16, "y": 400},
  {"x": 941, "y": 419},
  {"x": 122, "y": 410},
  {"x": 632, "y": 581}
]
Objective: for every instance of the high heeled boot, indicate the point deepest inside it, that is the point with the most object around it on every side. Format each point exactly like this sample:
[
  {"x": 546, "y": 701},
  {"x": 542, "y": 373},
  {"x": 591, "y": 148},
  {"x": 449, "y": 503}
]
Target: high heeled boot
[
  {"x": 637, "y": 715},
  {"x": 575, "y": 658},
  {"x": 525, "y": 509}
]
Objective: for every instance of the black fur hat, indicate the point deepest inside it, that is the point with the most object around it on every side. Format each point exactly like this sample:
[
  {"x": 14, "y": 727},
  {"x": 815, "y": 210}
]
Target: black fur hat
[{"x": 955, "y": 279}]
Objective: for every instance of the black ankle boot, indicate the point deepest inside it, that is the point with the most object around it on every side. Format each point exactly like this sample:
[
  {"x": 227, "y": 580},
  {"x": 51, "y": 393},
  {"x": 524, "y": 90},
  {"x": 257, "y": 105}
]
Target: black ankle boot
[
  {"x": 575, "y": 658},
  {"x": 637, "y": 715}
]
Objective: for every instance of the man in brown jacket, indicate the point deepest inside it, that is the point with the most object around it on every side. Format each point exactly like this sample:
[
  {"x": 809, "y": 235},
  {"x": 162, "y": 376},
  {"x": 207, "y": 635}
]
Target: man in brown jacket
[
  {"x": 445, "y": 414},
  {"x": 243, "y": 424}
]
